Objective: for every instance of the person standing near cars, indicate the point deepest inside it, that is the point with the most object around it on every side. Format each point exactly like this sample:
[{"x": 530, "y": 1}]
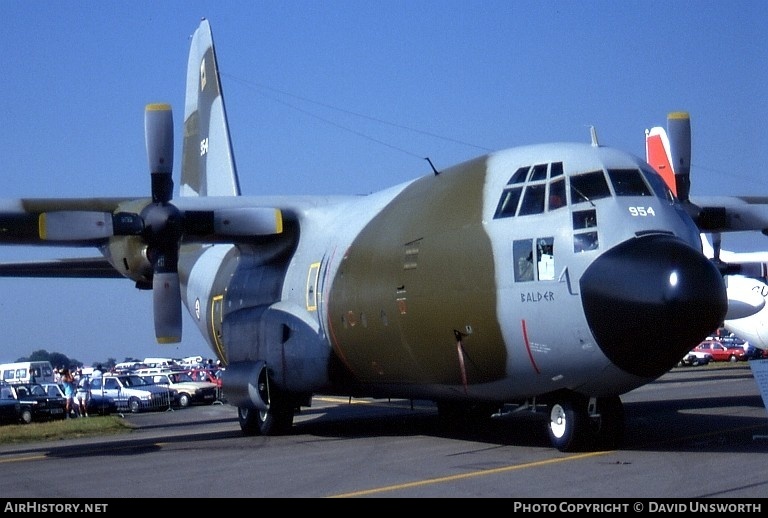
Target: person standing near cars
[
  {"x": 68, "y": 380},
  {"x": 83, "y": 394}
]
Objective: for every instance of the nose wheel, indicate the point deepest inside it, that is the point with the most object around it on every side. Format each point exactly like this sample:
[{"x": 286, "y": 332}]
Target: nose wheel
[{"x": 577, "y": 423}]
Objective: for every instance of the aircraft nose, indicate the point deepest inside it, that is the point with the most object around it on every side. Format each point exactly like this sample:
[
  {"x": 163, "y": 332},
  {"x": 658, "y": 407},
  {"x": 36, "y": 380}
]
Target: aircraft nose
[{"x": 650, "y": 300}]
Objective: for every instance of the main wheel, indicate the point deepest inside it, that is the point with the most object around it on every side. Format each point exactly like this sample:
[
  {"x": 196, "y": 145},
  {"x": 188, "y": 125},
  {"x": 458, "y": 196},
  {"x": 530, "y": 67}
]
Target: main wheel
[
  {"x": 274, "y": 421},
  {"x": 26, "y": 416},
  {"x": 609, "y": 423}
]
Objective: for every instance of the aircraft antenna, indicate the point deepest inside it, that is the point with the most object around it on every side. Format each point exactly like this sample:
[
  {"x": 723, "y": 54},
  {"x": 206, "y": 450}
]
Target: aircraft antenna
[
  {"x": 593, "y": 134},
  {"x": 432, "y": 165}
]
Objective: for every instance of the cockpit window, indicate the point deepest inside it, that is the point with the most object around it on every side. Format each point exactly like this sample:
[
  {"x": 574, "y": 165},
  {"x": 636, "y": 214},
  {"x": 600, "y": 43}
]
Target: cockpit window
[
  {"x": 508, "y": 202},
  {"x": 534, "y": 185},
  {"x": 539, "y": 173},
  {"x": 556, "y": 170},
  {"x": 628, "y": 182},
  {"x": 658, "y": 185},
  {"x": 519, "y": 176},
  {"x": 533, "y": 200},
  {"x": 589, "y": 187},
  {"x": 556, "y": 198}
]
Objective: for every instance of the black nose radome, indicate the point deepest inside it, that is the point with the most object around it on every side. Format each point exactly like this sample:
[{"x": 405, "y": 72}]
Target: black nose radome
[{"x": 650, "y": 300}]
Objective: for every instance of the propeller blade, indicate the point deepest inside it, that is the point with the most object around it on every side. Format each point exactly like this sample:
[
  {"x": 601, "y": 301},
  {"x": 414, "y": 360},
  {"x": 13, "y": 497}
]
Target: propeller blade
[
  {"x": 679, "y": 132},
  {"x": 158, "y": 131},
  {"x": 70, "y": 225},
  {"x": 223, "y": 223},
  {"x": 73, "y": 225},
  {"x": 166, "y": 299}
]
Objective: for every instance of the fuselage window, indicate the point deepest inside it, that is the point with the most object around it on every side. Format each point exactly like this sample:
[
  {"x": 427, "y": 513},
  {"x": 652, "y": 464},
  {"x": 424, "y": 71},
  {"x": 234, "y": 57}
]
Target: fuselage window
[
  {"x": 589, "y": 187},
  {"x": 522, "y": 254},
  {"x": 545, "y": 258},
  {"x": 628, "y": 182},
  {"x": 584, "y": 230}
]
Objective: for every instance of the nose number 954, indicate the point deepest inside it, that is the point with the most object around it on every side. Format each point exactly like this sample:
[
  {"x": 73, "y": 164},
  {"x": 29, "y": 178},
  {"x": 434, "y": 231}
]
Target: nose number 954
[{"x": 641, "y": 211}]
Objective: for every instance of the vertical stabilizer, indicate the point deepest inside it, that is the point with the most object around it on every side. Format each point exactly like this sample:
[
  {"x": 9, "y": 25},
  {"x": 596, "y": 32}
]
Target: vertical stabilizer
[
  {"x": 208, "y": 164},
  {"x": 658, "y": 156},
  {"x": 669, "y": 152}
]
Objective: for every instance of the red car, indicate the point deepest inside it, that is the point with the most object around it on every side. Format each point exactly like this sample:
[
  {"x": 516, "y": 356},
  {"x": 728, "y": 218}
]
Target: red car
[
  {"x": 205, "y": 375},
  {"x": 722, "y": 352}
]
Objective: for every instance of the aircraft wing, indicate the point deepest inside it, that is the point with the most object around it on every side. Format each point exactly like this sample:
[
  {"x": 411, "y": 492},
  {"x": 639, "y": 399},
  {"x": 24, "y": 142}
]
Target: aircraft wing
[
  {"x": 86, "y": 267},
  {"x": 731, "y": 213}
]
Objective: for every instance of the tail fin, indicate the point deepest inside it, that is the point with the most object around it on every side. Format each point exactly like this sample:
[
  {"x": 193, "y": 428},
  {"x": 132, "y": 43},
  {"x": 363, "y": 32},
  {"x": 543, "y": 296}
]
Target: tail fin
[
  {"x": 670, "y": 154},
  {"x": 658, "y": 156},
  {"x": 208, "y": 164}
]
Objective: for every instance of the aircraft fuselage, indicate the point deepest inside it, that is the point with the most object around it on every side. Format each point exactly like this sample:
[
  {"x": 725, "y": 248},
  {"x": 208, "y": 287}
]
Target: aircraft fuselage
[{"x": 354, "y": 308}]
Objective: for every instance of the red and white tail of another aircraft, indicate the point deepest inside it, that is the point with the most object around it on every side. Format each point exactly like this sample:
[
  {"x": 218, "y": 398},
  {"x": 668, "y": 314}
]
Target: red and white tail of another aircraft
[{"x": 744, "y": 272}]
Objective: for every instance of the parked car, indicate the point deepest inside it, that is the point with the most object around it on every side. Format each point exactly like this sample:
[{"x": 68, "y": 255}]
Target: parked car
[
  {"x": 694, "y": 358},
  {"x": 722, "y": 352},
  {"x": 99, "y": 404},
  {"x": 210, "y": 376},
  {"x": 752, "y": 352},
  {"x": 131, "y": 393},
  {"x": 10, "y": 409},
  {"x": 187, "y": 391},
  {"x": 34, "y": 402}
]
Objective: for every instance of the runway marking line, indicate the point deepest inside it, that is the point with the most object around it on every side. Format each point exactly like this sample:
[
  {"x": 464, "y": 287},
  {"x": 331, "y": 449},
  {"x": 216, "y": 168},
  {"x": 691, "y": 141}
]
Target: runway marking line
[{"x": 473, "y": 474}]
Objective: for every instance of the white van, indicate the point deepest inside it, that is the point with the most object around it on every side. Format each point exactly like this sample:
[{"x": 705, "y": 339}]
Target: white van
[
  {"x": 166, "y": 363},
  {"x": 27, "y": 372}
]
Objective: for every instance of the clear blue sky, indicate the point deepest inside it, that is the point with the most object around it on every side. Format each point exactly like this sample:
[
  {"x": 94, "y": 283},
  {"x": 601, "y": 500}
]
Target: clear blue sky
[{"x": 346, "y": 97}]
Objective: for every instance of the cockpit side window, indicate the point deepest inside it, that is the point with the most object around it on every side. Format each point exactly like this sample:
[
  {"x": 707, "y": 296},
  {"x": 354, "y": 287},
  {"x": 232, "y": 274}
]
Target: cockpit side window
[
  {"x": 545, "y": 258},
  {"x": 522, "y": 253},
  {"x": 628, "y": 182},
  {"x": 658, "y": 185},
  {"x": 508, "y": 202}
]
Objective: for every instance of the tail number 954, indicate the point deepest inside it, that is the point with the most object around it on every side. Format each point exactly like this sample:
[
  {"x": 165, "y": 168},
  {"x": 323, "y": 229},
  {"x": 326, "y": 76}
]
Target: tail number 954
[{"x": 641, "y": 211}]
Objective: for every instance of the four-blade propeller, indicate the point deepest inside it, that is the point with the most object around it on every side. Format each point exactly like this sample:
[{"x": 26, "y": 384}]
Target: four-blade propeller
[{"x": 161, "y": 225}]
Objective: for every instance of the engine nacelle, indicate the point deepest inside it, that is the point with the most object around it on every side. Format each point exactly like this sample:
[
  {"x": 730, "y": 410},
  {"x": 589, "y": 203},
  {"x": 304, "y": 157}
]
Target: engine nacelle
[{"x": 246, "y": 384}]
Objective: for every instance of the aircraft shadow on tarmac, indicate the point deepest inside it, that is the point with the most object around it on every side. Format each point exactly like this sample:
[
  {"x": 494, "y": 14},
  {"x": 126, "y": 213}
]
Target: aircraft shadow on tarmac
[{"x": 722, "y": 424}]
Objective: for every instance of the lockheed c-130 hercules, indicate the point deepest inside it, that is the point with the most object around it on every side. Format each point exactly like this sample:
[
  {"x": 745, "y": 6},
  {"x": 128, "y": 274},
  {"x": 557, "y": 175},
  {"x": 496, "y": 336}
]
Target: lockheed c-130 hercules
[{"x": 529, "y": 276}]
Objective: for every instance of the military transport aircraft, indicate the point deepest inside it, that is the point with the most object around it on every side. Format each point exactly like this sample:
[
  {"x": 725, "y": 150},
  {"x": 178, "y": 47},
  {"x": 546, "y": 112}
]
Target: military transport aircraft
[
  {"x": 669, "y": 152},
  {"x": 527, "y": 278}
]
